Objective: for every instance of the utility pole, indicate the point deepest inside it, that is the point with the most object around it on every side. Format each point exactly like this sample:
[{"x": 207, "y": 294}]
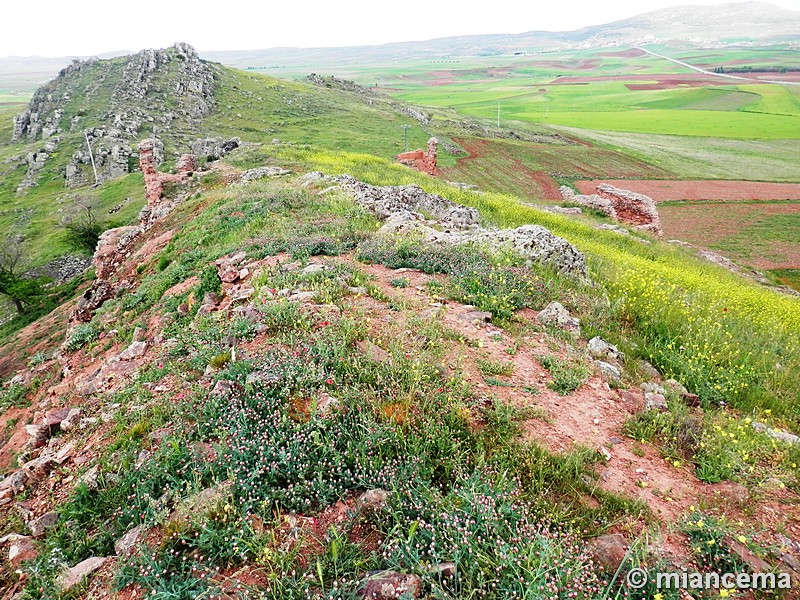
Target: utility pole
[
  {"x": 91, "y": 156},
  {"x": 498, "y": 114},
  {"x": 405, "y": 135}
]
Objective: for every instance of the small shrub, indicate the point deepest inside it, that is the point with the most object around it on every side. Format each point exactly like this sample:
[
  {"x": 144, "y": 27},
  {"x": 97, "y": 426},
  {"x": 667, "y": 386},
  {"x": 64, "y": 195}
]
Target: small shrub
[
  {"x": 83, "y": 232},
  {"x": 495, "y": 367},
  {"x": 568, "y": 375},
  {"x": 400, "y": 282},
  {"x": 81, "y": 335}
]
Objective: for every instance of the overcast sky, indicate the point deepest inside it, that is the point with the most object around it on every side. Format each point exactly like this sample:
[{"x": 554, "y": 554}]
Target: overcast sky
[{"x": 90, "y": 27}]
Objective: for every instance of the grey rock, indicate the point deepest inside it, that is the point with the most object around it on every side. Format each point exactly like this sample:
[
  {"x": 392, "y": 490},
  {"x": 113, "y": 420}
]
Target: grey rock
[
  {"x": 390, "y": 585},
  {"x": 614, "y": 228},
  {"x": 260, "y": 172},
  {"x": 241, "y": 292},
  {"x": 609, "y": 551},
  {"x": 654, "y": 401},
  {"x": 74, "y": 576},
  {"x": 135, "y": 350},
  {"x": 128, "y": 542},
  {"x": 91, "y": 477},
  {"x": 214, "y": 148},
  {"x": 39, "y": 527},
  {"x": 555, "y": 314},
  {"x": 312, "y": 268},
  {"x": 563, "y": 210},
  {"x": 72, "y": 419},
  {"x": 652, "y": 388},
  {"x": 675, "y": 386},
  {"x": 783, "y": 436},
  {"x": 601, "y": 349},
  {"x": 223, "y": 387},
  {"x": 372, "y": 500},
  {"x": 303, "y": 296},
  {"x": 327, "y": 404},
  {"x": 648, "y": 369},
  {"x": 21, "y": 548},
  {"x": 608, "y": 370}
]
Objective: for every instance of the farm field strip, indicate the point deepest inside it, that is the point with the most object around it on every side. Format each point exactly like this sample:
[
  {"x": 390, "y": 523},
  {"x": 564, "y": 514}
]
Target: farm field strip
[
  {"x": 704, "y": 157},
  {"x": 667, "y": 190},
  {"x": 760, "y": 234}
]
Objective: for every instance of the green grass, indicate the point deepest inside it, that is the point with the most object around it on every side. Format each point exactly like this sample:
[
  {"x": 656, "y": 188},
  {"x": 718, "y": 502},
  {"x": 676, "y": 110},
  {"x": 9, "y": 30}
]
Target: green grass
[
  {"x": 401, "y": 426},
  {"x": 704, "y": 157},
  {"x": 717, "y": 333}
]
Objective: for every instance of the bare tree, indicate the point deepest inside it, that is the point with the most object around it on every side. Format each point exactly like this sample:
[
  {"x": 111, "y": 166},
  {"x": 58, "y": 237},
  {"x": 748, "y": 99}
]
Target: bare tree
[{"x": 20, "y": 289}]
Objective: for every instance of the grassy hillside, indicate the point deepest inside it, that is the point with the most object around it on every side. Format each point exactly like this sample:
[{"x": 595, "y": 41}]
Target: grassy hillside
[
  {"x": 213, "y": 448},
  {"x": 277, "y": 400}
]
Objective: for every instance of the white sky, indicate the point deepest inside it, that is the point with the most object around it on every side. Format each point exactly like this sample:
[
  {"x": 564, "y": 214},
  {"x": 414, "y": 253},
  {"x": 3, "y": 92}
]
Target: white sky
[{"x": 89, "y": 27}]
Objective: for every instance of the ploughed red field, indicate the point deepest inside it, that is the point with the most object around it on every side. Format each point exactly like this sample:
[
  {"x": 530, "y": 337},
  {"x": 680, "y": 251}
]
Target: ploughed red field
[{"x": 663, "y": 190}]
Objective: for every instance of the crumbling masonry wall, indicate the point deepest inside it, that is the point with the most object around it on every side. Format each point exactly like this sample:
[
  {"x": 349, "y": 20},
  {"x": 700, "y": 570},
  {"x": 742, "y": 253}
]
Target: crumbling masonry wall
[{"x": 423, "y": 161}]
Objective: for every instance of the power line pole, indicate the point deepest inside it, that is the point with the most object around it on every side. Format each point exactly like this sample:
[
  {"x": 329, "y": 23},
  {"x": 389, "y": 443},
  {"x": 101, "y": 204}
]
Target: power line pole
[
  {"x": 498, "y": 114},
  {"x": 405, "y": 135},
  {"x": 91, "y": 156}
]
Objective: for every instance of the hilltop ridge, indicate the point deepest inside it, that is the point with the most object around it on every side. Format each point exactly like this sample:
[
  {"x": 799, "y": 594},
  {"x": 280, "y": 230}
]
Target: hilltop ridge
[{"x": 298, "y": 369}]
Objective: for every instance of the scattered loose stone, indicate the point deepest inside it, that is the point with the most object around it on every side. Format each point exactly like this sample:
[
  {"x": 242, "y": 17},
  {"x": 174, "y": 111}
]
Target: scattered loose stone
[
  {"x": 327, "y": 404},
  {"x": 72, "y": 419},
  {"x": 653, "y": 401},
  {"x": 555, "y": 314},
  {"x": 648, "y": 369},
  {"x": 601, "y": 349},
  {"x": 260, "y": 172},
  {"x": 778, "y": 434},
  {"x": 563, "y": 210},
  {"x": 21, "y": 549},
  {"x": 608, "y": 370},
  {"x": 372, "y": 500},
  {"x": 135, "y": 350},
  {"x": 241, "y": 292},
  {"x": 445, "y": 570},
  {"x": 223, "y": 387},
  {"x": 39, "y": 527},
  {"x": 126, "y": 544},
  {"x": 90, "y": 477},
  {"x": 609, "y": 551},
  {"x": 312, "y": 268},
  {"x": 72, "y": 577},
  {"x": 303, "y": 296},
  {"x": 388, "y": 585}
]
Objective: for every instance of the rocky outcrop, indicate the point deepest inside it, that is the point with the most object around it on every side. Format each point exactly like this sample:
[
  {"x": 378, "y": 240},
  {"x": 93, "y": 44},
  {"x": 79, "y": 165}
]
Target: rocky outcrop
[
  {"x": 214, "y": 148},
  {"x": 423, "y": 161},
  {"x": 160, "y": 90},
  {"x": 63, "y": 268},
  {"x": 637, "y": 209},
  {"x": 388, "y": 201},
  {"x": 627, "y": 207},
  {"x": 409, "y": 210},
  {"x": 115, "y": 245},
  {"x": 36, "y": 162}
]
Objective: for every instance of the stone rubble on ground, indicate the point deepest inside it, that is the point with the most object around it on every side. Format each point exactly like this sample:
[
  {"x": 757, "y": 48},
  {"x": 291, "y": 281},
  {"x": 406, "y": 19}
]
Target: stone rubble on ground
[{"x": 555, "y": 314}]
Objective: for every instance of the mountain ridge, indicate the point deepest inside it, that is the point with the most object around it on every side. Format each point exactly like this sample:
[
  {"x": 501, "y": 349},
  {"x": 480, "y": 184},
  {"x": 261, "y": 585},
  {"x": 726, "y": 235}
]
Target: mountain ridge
[{"x": 760, "y": 22}]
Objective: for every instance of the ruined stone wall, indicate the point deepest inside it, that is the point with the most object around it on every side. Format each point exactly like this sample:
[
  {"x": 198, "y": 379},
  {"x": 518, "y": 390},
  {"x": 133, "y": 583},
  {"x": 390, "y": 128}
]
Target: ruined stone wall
[
  {"x": 621, "y": 205},
  {"x": 423, "y": 161}
]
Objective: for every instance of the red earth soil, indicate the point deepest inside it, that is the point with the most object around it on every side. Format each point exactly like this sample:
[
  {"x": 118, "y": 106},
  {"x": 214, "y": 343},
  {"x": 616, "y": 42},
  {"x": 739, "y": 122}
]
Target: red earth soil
[
  {"x": 629, "y": 53},
  {"x": 663, "y": 190},
  {"x": 696, "y": 224},
  {"x": 697, "y": 79},
  {"x": 545, "y": 185}
]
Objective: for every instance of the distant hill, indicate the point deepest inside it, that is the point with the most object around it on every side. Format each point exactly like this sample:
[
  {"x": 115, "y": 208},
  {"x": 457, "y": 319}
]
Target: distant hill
[{"x": 756, "y": 22}]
